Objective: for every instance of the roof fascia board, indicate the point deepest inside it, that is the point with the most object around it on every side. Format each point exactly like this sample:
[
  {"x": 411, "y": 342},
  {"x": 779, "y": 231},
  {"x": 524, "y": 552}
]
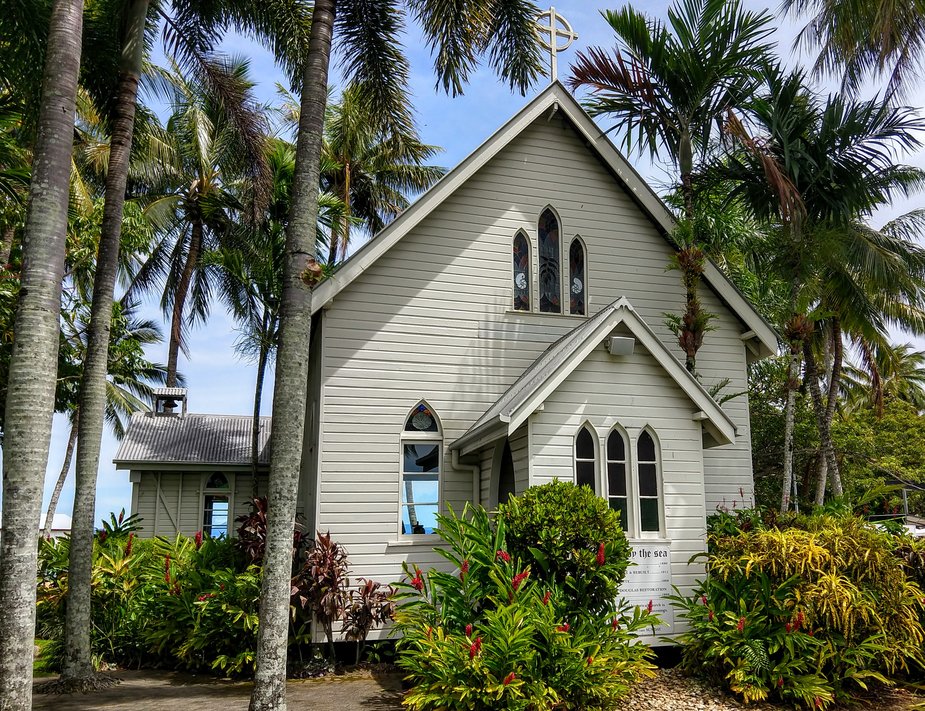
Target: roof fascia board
[
  {"x": 421, "y": 208},
  {"x": 184, "y": 466},
  {"x": 474, "y": 441}
]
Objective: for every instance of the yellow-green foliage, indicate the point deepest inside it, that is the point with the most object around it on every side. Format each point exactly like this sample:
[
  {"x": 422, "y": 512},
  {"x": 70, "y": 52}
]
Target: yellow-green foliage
[{"x": 809, "y": 609}]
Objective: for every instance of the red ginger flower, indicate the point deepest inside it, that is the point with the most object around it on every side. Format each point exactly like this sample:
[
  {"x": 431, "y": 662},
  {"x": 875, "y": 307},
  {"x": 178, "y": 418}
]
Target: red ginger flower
[
  {"x": 417, "y": 583},
  {"x": 475, "y": 647},
  {"x": 600, "y": 554},
  {"x": 788, "y": 627},
  {"x": 590, "y": 661},
  {"x": 801, "y": 618},
  {"x": 128, "y": 546},
  {"x": 780, "y": 681},
  {"x": 563, "y": 628},
  {"x": 469, "y": 630},
  {"x": 615, "y": 624},
  {"x": 198, "y": 539},
  {"x": 546, "y": 597},
  {"x": 741, "y": 625},
  {"x": 504, "y": 555},
  {"x": 167, "y": 568},
  {"x": 519, "y": 578},
  {"x": 509, "y": 678},
  {"x": 711, "y": 615},
  {"x": 463, "y": 569},
  {"x": 649, "y": 607},
  {"x": 703, "y": 599}
]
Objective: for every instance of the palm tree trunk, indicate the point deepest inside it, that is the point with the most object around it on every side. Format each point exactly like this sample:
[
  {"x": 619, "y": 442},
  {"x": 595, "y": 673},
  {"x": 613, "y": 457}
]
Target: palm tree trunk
[
  {"x": 258, "y": 396},
  {"x": 78, "y": 663},
  {"x": 825, "y": 432},
  {"x": 793, "y": 372},
  {"x": 811, "y": 378},
  {"x": 179, "y": 301},
  {"x": 345, "y": 240},
  {"x": 30, "y": 397},
  {"x": 62, "y": 477},
  {"x": 6, "y": 244},
  {"x": 289, "y": 392}
]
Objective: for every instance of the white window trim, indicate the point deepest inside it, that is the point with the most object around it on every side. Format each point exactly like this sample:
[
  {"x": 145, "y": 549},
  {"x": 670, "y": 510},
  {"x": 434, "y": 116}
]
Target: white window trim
[
  {"x": 563, "y": 273},
  {"x": 408, "y": 437},
  {"x": 204, "y": 491},
  {"x": 627, "y": 473},
  {"x": 659, "y": 482}
]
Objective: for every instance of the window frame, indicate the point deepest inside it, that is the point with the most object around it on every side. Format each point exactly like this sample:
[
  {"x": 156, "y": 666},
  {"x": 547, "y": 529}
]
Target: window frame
[
  {"x": 627, "y": 471},
  {"x": 595, "y": 441},
  {"x": 568, "y": 290},
  {"x": 659, "y": 483},
  {"x": 205, "y": 491},
  {"x": 539, "y": 277},
  {"x": 412, "y": 437},
  {"x": 512, "y": 305}
]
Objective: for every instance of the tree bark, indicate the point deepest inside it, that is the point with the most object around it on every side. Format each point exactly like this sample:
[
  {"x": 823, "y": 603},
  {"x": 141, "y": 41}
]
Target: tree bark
[
  {"x": 290, "y": 388},
  {"x": 811, "y": 378},
  {"x": 793, "y": 371},
  {"x": 258, "y": 396},
  {"x": 78, "y": 662},
  {"x": 825, "y": 432},
  {"x": 6, "y": 244},
  {"x": 30, "y": 397},
  {"x": 179, "y": 301},
  {"x": 62, "y": 477}
]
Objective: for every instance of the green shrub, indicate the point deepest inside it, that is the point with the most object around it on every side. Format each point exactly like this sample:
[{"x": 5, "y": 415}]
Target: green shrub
[
  {"x": 495, "y": 635},
  {"x": 559, "y": 529},
  {"x": 809, "y": 611}
]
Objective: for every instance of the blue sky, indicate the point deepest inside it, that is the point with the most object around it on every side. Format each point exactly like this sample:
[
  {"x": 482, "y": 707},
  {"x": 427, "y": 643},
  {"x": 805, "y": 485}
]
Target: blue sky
[{"x": 219, "y": 382}]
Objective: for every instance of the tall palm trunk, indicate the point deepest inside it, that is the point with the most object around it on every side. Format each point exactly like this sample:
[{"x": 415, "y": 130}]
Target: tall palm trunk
[
  {"x": 811, "y": 378},
  {"x": 825, "y": 431},
  {"x": 793, "y": 372},
  {"x": 179, "y": 301},
  {"x": 62, "y": 477},
  {"x": 289, "y": 393},
  {"x": 78, "y": 664},
  {"x": 262, "y": 359},
  {"x": 690, "y": 260},
  {"x": 30, "y": 397}
]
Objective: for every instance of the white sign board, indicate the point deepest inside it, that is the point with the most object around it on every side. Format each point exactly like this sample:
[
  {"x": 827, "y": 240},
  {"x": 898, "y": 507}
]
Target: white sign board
[{"x": 649, "y": 578}]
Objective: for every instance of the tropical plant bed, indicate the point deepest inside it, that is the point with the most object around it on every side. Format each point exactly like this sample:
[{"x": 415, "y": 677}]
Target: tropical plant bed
[{"x": 672, "y": 690}]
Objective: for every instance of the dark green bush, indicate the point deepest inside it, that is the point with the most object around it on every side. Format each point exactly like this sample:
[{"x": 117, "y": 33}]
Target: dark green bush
[
  {"x": 570, "y": 537},
  {"x": 807, "y": 609},
  {"x": 497, "y": 634}
]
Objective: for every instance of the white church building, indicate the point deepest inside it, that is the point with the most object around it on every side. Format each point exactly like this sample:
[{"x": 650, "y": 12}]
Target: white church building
[{"x": 507, "y": 329}]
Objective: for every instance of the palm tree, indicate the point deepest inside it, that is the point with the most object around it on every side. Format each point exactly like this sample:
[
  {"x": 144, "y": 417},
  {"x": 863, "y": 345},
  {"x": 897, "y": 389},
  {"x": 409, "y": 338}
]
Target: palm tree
[
  {"x": 369, "y": 38},
  {"x": 895, "y": 371},
  {"x": 816, "y": 169},
  {"x": 31, "y": 390},
  {"x": 667, "y": 87},
  {"x": 865, "y": 39},
  {"x": 128, "y": 385},
  {"x": 369, "y": 170},
  {"x": 200, "y": 197}
]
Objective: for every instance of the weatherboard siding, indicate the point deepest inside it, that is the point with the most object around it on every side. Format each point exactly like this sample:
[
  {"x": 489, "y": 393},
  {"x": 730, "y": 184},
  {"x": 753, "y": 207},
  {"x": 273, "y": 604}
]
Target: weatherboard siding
[{"x": 430, "y": 320}]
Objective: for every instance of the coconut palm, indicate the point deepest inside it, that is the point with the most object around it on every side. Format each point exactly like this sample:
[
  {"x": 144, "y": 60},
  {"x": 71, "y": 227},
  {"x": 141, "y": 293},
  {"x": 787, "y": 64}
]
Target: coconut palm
[
  {"x": 865, "y": 39},
  {"x": 667, "y": 87},
  {"x": 369, "y": 170},
  {"x": 31, "y": 389},
  {"x": 368, "y": 37},
  {"x": 895, "y": 371},
  {"x": 816, "y": 169}
]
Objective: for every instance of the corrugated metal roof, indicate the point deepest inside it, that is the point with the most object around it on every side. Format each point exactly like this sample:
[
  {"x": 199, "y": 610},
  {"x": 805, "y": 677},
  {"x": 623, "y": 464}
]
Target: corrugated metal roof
[
  {"x": 169, "y": 392},
  {"x": 192, "y": 439}
]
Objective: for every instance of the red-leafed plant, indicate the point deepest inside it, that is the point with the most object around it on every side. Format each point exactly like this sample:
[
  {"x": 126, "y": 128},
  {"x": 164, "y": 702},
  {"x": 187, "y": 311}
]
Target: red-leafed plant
[
  {"x": 252, "y": 533},
  {"x": 370, "y": 606},
  {"x": 321, "y": 584}
]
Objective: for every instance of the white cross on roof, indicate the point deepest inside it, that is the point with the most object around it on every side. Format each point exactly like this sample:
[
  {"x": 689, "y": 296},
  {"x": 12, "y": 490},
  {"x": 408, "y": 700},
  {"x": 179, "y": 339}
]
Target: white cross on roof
[{"x": 550, "y": 32}]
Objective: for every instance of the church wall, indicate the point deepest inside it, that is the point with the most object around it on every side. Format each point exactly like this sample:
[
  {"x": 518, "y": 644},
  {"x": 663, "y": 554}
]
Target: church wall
[
  {"x": 632, "y": 393},
  {"x": 430, "y": 320}
]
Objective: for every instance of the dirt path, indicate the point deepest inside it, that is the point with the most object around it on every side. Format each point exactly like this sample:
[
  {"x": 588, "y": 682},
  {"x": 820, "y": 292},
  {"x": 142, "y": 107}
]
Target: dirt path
[{"x": 174, "y": 691}]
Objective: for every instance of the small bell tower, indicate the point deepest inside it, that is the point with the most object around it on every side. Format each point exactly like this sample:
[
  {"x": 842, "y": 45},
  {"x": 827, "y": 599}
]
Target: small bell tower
[{"x": 166, "y": 401}]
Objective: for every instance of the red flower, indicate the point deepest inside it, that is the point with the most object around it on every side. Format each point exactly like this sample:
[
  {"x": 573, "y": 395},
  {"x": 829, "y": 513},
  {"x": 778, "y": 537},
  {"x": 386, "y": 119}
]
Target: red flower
[
  {"x": 563, "y": 628},
  {"x": 546, "y": 597},
  {"x": 468, "y": 630},
  {"x": 800, "y": 620},
  {"x": 703, "y": 599},
  {"x": 198, "y": 539},
  {"x": 128, "y": 546},
  {"x": 649, "y": 607},
  {"x": 509, "y": 678},
  {"x": 810, "y": 633},
  {"x": 475, "y": 647},
  {"x": 519, "y": 578},
  {"x": 817, "y": 702},
  {"x": 430, "y": 631},
  {"x": 590, "y": 661},
  {"x": 788, "y": 627},
  {"x": 711, "y": 615},
  {"x": 504, "y": 555},
  {"x": 615, "y": 624},
  {"x": 741, "y": 625},
  {"x": 780, "y": 681},
  {"x": 417, "y": 583},
  {"x": 463, "y": 569},
  {"x": 167, "y": 568},
  {"x": 600, "y": 554}
]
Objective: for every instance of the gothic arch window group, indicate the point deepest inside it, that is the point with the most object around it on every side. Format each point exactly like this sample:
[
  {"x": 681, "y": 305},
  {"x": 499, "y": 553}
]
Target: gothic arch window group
[
  {"x": 630, "y": 480},
  {"x": 549, "y": 269}
]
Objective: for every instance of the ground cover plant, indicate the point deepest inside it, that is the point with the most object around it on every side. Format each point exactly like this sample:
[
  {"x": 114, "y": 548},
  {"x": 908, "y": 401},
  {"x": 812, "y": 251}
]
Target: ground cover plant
[
  {"x": 806, "y": 609},
  {"x": 510, "y": 627}
]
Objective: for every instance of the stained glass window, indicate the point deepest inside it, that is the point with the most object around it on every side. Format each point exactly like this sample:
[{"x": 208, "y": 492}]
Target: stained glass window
[
  {"x": 421, "y": 459},
  {"x": 550, "y": 288},
  {"x": 616, "y": 477},
  {"x": 647, "y": 461},
  {"x": 576, "y": 278},
  {"x": 585, "y": 458},
  {"x": 521, "y": 272}
]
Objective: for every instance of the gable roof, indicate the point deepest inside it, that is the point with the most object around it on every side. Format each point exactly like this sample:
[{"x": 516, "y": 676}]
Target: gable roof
[
  {"x": 557, "y": 362},
  {"x": 555, "y": 98},
  {"x": 194, "y": 440}
]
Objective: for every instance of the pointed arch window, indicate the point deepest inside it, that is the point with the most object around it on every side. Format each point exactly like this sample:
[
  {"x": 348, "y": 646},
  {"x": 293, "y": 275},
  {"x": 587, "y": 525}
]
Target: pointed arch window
[
  {"x": 617, "y": 493},
  {"x": 647, "y": 463},
  {"x": 585, "y": 459},
  {"x": 521, "y": 272},
  {"x": 506, "y": 480},
  {"x": 576, "y": 278},
  {"x": 421, "y": 463},
  {"x": 549, "y": 249}
]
